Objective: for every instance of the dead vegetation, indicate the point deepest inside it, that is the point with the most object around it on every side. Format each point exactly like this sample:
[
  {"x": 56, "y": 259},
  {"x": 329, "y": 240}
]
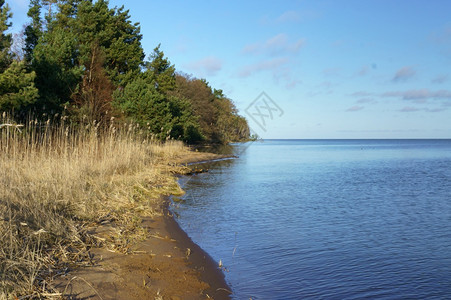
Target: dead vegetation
[{"x": 59, "y": 180}]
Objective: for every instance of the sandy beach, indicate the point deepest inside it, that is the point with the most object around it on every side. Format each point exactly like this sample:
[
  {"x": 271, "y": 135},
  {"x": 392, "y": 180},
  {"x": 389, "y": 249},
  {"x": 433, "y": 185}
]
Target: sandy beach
[{"x": 166, "y": 265}]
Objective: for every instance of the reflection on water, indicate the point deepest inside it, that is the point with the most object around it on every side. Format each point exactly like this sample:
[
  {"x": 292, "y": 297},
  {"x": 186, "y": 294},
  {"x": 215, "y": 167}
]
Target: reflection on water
[{"x": 327, "y": 219}]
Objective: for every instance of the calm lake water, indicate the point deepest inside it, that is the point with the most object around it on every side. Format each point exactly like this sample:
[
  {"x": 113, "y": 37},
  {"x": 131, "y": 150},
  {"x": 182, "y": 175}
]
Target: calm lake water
[{"x": 327, "y": 219}]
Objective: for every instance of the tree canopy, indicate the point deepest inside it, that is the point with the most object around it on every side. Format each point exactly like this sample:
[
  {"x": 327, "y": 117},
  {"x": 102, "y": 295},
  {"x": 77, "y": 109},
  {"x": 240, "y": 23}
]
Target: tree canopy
[{"x": 85, "y": 58}]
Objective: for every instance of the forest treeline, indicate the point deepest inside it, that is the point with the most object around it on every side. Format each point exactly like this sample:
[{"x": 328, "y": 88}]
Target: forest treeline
[{"x": 84, "y": 60}]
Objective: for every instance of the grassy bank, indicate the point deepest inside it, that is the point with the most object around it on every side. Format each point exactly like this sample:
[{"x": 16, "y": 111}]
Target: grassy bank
[{"x": 57, "y": 180}]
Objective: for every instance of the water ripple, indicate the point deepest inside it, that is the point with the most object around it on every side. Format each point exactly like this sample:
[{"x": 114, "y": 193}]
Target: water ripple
[{"x": 328, "y": 219}]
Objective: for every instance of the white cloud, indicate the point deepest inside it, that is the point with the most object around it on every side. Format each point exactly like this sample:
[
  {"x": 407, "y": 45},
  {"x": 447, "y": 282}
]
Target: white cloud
[
  {"x": 443, "y": 36},
  {"x": 331, "y": 72},
  {"x": 434, "y": 110},
  {"x": 409, "y": 109},
  {"x": 364, "y": 71},
  {"x": 274, "y": 65},
  {"x": 276, "y": 45},
  {"x": 361, "y": 94},
  {"x": 293, "y": 83},
  {"x": 404, "y": 74},
  {"x": 442, "y": 40},
  {"x": 366, "y": 101},
  {"x": 440, "y": 79},
  {"x": 421, "y": 94},
  {"x": 289, "y": 16},
  {"x": 355, "y": 108},
  {"x": 206, "y": 66}
]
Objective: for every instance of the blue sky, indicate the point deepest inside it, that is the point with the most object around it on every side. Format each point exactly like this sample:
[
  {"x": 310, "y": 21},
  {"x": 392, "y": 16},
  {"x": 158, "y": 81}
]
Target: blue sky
[{"x": 329, "y": 69}]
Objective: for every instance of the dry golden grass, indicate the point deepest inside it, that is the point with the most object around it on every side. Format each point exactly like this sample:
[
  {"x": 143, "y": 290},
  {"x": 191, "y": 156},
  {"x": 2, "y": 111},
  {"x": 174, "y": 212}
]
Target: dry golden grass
[{"x": 58, "y": 180}]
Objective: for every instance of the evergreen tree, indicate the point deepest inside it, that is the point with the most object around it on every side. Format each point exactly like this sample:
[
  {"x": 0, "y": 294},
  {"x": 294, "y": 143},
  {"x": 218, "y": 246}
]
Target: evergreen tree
[
  {"x": 17, "y": 88},
  {"x": 50, "y": 4},
  {"x": 5, "y": 38},
  {"x": 88, "y": 57},
  {"x": 16, "y": 85},
  {"x": 62, "y": 56},
  {"x": 164, "y": 116},
  {"x": 68, "y": 10},
  {"x": 113, "y": 32},
  {"x": 55, "y": 61},
  {"x": 33, "y": 30},
  {"x": 160, "y": 71},
  {"x": 145, "y": 100}
]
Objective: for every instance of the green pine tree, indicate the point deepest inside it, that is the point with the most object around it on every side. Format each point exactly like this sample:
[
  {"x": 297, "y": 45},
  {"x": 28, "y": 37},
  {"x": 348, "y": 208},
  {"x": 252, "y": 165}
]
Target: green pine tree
[
  {"x": 33, "y": 30},
  {"x": 17, "y": 88},
  {"x": 164, "y": 116},
  {"x": 160, "y": 71},
  {"x": 16, "y": 84},
  {"x": 5, "y": 38},
  {"x": 113, "y": 32}
]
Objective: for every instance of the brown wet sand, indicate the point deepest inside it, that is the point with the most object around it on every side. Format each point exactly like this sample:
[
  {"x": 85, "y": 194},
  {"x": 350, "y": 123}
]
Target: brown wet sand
[{"x": 167, "y": 265}]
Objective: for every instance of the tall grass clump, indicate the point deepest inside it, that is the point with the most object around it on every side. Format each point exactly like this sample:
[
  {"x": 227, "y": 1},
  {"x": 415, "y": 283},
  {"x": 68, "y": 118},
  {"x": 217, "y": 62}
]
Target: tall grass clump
[{"x": 57, "y": 180}]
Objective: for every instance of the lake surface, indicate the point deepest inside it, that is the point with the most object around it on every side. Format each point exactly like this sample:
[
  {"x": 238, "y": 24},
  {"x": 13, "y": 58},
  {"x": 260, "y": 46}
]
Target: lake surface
[{"x": 327, "y": 219}]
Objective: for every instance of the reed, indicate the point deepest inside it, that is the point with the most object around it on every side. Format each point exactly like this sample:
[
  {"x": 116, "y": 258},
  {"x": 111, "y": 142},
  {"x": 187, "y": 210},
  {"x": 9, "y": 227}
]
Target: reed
[{"x": 59, "y": 179}]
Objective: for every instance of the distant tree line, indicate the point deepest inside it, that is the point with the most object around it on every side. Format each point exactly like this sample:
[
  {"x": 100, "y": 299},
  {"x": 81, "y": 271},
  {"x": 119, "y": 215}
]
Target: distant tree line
[{"x": 85, "y": 60}]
